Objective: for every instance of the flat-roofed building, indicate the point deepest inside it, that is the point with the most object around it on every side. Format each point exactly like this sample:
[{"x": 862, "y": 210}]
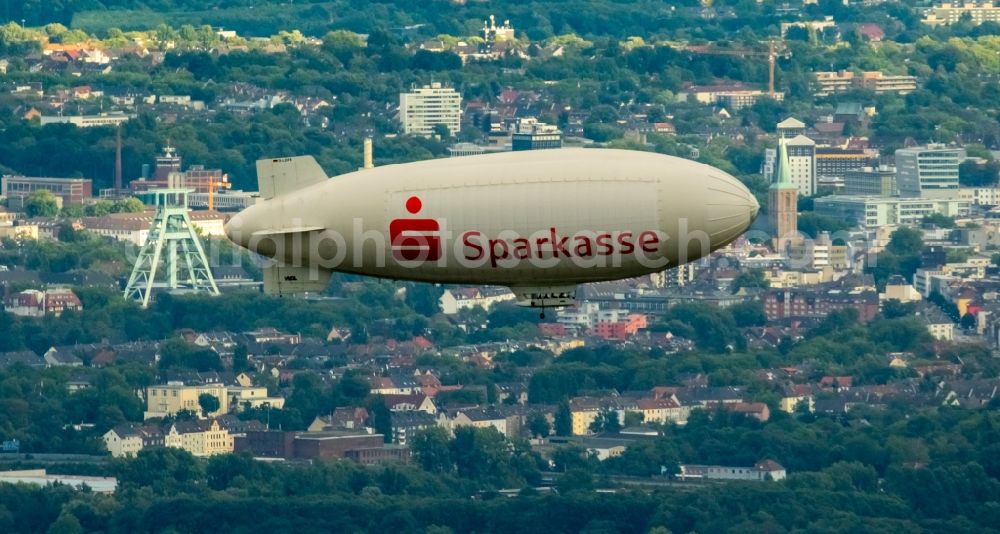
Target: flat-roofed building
[
  {"x": 421, "y": 109},
  {"x": 71, "y": 191},
  {"x": 952, "y": 12},
  {"x": 883, "y": 83},
  {"x": 873, "y": 212},
  {"x": 168, "y": 399},
  {"x": 833, "y": 82},
  {"x": 134, "y": 227},
  {"x": 86, "y": 121},
  {"x": 529, "y": 134},
  {"x": 871, "y": 181},
  {"x": 929, "y": 172},
  {"x": 835, "y": 162}
]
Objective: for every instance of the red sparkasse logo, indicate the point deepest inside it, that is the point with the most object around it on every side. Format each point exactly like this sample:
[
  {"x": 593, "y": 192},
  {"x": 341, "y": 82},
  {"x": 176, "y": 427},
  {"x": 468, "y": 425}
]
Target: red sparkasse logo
[{"x": 415, "y": 239}]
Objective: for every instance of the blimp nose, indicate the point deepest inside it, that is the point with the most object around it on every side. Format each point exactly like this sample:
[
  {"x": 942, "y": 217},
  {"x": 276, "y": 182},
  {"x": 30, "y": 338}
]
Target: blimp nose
[
  {"x": 732, "y": 210},
  {"x": 237, "y": 230}
]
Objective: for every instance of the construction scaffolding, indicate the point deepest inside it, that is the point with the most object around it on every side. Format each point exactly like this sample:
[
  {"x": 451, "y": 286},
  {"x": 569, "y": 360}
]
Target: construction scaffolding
[{"x": 172, "y": 247}]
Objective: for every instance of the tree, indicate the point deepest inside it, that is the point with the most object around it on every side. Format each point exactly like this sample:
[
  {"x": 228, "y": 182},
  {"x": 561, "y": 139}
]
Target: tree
[
  {"x": 538, "y": 425},
  {"x": 564, "y": 420},
  {"x": 441, "y": 131},
  {"x": 749, "y": 278},
  {"x": 240, "y": 362},
  {"x": 430, "y": 449},
  {"x": 633, "y": 419},
  {"x": 905, "y": 242},
  {"x": 209, "y": 403},
  {"x": 894, "y": 309},
  {"x": 748, "y": 314},
  {"x": 606, "y": 421},
  {"x": 41, "y": 203}
]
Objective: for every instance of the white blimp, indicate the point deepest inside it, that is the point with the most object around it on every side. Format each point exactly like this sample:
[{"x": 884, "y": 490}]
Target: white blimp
[{"x": 540, "y": 222}]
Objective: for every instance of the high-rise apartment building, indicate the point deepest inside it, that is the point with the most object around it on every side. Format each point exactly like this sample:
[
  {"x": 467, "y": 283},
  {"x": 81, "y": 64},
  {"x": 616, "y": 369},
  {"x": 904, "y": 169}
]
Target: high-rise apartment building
[{"x": 423, "y": 108}]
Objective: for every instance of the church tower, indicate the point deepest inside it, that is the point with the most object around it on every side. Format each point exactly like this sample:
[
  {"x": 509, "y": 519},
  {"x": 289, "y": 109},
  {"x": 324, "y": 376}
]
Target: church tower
[{"x": 782, "y": 206}]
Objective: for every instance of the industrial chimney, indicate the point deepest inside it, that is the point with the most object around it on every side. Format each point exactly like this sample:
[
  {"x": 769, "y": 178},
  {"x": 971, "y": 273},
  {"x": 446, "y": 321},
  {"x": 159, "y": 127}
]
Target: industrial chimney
[
  {"x": 369, "y": 164},
  {"x": 118, "y": 162}
]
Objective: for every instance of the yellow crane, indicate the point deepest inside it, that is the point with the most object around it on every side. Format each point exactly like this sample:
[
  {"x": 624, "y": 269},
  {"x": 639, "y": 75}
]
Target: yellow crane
[
  {"x": 774, "y": 49},
  {"x": 212, "y": 184}
]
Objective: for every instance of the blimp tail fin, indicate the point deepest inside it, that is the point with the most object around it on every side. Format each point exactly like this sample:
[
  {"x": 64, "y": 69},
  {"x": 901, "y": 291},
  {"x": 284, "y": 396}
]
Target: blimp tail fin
[
  {"x": 276, "y": 177},
  {"x": 282, "y": 280}
]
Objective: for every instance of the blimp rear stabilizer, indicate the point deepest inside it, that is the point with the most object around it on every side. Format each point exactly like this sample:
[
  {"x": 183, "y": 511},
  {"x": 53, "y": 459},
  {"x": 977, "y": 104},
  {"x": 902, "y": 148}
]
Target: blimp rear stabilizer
[{"x": 540, "y": 222}]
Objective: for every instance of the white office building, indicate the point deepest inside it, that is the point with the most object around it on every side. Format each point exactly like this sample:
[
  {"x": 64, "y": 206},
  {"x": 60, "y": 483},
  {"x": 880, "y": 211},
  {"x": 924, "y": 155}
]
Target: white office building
[
  {"x": 424, "y": 108},
  {"x": 872, "y": 212},
  {"x": 928, "y": 172}
]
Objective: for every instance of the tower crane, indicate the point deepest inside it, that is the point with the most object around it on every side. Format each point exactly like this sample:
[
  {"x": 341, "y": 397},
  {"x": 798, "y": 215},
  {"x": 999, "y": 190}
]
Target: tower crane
[
  {"x": 212, "y": 184},
  {"x": 774, "y": 49}
]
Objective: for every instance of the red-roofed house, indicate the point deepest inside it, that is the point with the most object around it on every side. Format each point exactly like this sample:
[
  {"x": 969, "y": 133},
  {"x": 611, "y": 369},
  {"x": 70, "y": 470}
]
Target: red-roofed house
[
  {"x": 757, "y": 410},
  {"x": 662, "y": 411},
  {"x": 838, "y": 383},
  {"x": 873, "y": 32}
]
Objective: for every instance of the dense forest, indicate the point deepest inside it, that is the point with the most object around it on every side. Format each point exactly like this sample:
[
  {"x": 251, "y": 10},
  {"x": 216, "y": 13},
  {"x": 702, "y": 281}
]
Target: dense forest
[{"x": 935, "y": 471}]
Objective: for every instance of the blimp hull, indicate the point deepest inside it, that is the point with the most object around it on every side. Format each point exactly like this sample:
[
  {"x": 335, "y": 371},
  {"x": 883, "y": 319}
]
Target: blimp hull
[{"x": 537, "y": 221}]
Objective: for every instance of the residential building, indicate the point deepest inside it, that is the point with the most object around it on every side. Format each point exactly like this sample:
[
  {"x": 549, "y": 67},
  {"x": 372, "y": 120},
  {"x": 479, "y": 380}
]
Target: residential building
[
  {"x": 828, "y": 83},
  {"x": 200, "y": 437},
  {"x": 730, "y": 96},
  {"x": 881, "y": 83},
  {"x": 34, "y": 303},
  {"x": 19, "y": 232},
  {"x": 621, "y": 329},
  {"x": 243, "y": 397},
  {"x": 980, "y": 196},
  {"x": 928, "y": 172},
  {"x": 662, "y": 411},
  {"x": 168, "y": 399},
  {"x": 873, "y": 212},
  {"x": 938, "y": 324},
  {"x": 952, "y": 12},
  {"x": 584, "y": 410},
  {"x": 410, "y": 403},
  {"x": 818, "y": 254},
  {"x": 405, "y": 424},
  {"x": 529, "y": 134},
  {"x": 816, "y": 302},
  {"x": 70, "y": 191},
  {"x": 478, "y": 418},
  {"x": 871, "y": 181},
  {"x": 87, "y": 121},
  {"x": 795, "y": 394},
  {"x": 127, "y": 440},
  {"x": 802, "y": 164},
  {"x": 454, "y": 300},
  {"x": 675, "y": 276},
  {"x": 421, "y": 109}
]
